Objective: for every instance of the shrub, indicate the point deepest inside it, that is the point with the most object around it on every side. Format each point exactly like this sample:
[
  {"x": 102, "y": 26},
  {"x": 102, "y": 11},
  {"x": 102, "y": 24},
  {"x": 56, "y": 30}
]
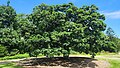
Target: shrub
[{"x": 3, "y": 51}]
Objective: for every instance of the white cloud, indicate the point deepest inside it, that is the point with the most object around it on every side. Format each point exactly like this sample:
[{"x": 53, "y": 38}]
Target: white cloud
[{"x": 112, "y": 15}]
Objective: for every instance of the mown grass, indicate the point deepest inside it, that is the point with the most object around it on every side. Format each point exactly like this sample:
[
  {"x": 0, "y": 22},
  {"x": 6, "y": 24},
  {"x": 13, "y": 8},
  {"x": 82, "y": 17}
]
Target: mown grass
[
  {"x": 18, "y": 56},
  {"x": 10, "y": 65},
  {"x": 114, "y": 63},
  {"x": 112, "y": 58}
]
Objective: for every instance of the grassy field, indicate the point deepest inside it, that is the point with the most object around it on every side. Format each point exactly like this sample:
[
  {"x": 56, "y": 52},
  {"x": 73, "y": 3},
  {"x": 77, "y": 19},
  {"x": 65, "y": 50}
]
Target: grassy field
[
  {"x": 112, "y": 58},
  {"x": 114, "y": 63},
  {"x": 19, "y": 56},
  {"x": 9, "y": 65}
]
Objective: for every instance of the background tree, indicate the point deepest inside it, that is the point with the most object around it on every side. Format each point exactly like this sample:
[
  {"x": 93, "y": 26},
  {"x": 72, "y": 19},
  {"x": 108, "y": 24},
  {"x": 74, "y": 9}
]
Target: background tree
[
  {"x": 113, "y": 39},
  {"x": 8, "y": 35}
]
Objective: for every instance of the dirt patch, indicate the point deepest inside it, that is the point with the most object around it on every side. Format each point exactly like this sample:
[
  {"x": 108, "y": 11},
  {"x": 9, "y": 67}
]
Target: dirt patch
[{"x": 60, "y": 62}]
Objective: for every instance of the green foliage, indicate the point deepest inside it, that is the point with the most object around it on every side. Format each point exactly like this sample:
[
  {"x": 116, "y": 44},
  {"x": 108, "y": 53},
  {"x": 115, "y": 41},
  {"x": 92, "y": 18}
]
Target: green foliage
[
  {"x": 69, "y": 27},
  {"x": 3, "y": 51},
  {"x": 7, "y": 23},
  {"x": 53, "y": 30},
  {"x": 7, "y": 16},
  {"x": 114, "y": 42}
]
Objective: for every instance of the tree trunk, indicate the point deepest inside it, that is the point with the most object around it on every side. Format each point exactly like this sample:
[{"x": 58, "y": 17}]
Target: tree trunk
[
  {"x": 66, "y": 55},
  {"x": 93, "y": 55}
]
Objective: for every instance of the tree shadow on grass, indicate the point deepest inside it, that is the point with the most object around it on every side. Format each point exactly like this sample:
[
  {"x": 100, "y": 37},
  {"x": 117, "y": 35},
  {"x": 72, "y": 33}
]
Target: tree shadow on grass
[
  {"x": 9, "y": 65},
  {"x": 72, "y": 62}
]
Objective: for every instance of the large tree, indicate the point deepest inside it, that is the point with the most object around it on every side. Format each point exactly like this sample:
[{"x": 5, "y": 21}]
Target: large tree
[{"x": 69, "y": 27}]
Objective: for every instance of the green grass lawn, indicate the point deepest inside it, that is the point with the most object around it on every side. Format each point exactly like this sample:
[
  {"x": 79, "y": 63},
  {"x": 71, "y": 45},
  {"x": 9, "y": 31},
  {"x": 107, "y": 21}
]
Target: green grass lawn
[
  {"x": 19, "y": 56},
  {"x": 114, "y": 63},
  {"x": 112, "y": 58},
  {"x": 9, "y": 65}
]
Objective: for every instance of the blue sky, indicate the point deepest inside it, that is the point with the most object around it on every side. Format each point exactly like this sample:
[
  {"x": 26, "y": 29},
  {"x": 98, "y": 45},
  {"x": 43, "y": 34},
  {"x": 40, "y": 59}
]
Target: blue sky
[{"x": 110, "y": 8}]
